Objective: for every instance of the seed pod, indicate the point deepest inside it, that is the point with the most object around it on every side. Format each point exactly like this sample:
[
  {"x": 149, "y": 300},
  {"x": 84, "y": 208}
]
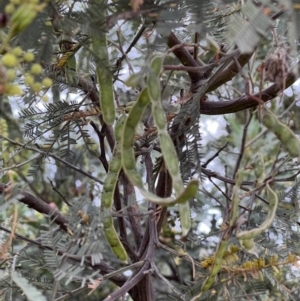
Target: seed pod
[
  {"x": 277, "y": 66},
  {"x": 104, "y": 77},
  {"x": 285, "y": 135},
  {"x": 168, "y": 149},
  {"x": 24, "y": 16},
  {"x": 246, "y": 238},
  {"x": 109, "y": 186},
  {"x": 128, "y": 157}
]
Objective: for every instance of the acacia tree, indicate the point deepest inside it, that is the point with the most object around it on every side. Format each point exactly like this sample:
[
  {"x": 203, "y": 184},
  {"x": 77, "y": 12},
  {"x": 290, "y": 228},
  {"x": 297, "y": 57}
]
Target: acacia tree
[{"x": 103, "y": 104}]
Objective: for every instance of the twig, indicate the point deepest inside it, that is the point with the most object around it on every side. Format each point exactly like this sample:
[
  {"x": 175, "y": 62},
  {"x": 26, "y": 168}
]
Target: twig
[
  {"x": 214, "y": 156},
  {"x": 15, "y": 166},
  {"x": 101, "y": 136},
  {"x": 168, "y": 283},
  {"x": 132, "y": 210},
  {"x": 57, "y": 191},
  {"x": 54, "y": 157},
  {"x": 32, "y": 202},
  {"x": 243, "y": 142},
  {"x": 244, "y": 102}
]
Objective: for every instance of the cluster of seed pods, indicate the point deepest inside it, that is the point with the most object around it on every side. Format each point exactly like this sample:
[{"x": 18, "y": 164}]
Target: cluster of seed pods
[
  {"x": 124, "y": 157},
  {"x": 152, "y": 94}
]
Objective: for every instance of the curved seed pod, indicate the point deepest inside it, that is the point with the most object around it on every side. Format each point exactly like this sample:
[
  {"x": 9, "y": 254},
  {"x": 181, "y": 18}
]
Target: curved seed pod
[
  {"x": 109, "y": 186},
  {"x": 167, "y": 147},
  {"x": 285, "y": 135},
  {"x": 128, "y": 157},
  {"x": 245, "y": 237},
  {"x": 104, "y": 76}
]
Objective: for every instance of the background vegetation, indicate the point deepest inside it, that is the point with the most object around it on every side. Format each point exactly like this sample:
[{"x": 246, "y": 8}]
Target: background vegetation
[{"x": 149, "y": 150}]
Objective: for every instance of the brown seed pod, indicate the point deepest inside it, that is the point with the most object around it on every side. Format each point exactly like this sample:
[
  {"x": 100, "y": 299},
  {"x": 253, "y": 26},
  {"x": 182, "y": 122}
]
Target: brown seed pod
[{"x": 277, "y": 66}]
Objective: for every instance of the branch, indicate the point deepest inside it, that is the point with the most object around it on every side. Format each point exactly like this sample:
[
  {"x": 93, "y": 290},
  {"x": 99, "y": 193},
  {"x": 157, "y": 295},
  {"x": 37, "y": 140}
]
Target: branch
[
  {"x": 132, "y": 210},
  {"x": 229, "y": 73},
  {"x": 244, "y": 102},
  {"x": 105, "y": 269},
  {"x": 186, "y": 59},
  {"x": 130, "y": 284},
  {"x": 39, "y": 205},
  {"x": 52, "y": 156}
]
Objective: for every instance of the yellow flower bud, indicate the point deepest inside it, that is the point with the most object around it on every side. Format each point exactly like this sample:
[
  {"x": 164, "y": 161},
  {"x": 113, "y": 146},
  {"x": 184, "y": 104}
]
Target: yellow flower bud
[
  {"x": 17, "y": 51},
  {"x": 11, "y": 74},
  {"x": 28, "y": 57},
  {"x": 47, "y": 82},
  {"x": 9, "y": 60},
  {"x": 11, "y": 90},
  {"x": 36, "y": 69},
  {"x": 36, "y": 87},
  {"x": 9, "y": 8}
]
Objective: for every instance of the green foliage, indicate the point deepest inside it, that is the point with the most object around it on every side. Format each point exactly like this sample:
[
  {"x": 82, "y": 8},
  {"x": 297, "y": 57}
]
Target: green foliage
[
  {"x": 30, "y": 291},
  {"x": 172, "y": 205}
]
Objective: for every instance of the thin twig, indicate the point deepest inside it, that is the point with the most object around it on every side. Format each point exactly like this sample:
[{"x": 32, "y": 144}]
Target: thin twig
[
  {"x": 214, "y": 156},
  {"x": 57, "y": 191},
  {"x": 243, "y": 142},
  {"x": 101, "y": 137},
  {"x": 54, "y": 157},
  {"x": 168, "y": 283}
]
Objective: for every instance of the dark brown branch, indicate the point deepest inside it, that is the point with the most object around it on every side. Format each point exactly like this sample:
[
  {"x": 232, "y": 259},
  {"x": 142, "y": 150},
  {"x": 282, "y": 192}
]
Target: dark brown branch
[
  {"x": 185, "y": 58},
  {"x": 229, "y": 73},
  {"x": 243, "y": 102},
  {"x": 40, "y": 206},
  {"x": 163, "y": 189},
  {"x": 59, "y": 193},
  {"x": 138, "y": 291},
  {"x": 130, "y": 284},
  {"x": 187, "y": 68},
  {"x": 232, "y": 70},
  {"x": 132, "y": 44},
  {"x": 101, "y": 137},
  {"x": 122, "y": 227},
  {"x": 133, "y": 211}
]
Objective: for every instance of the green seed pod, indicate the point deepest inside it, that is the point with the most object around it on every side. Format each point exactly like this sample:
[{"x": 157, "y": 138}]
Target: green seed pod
[
  {"x": 109, "y": 186},
  {"x": 24, "y": 16},
  {"x": 168, "y": 149},
  {"x": 269, "y": 120},
  {"x": 128, "y": 156},
  {"x": 293, "y": 147},
  {"x": 134, "y": 80},
  {"x": 104, "y": 77},
  {"x": 247, "y": 236},
  {"x": 152, "y": 93},
  {"x": 285, "y": 135},
  {"x": 156, "y": 65},
  {"x": 247, "y": 244}
]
